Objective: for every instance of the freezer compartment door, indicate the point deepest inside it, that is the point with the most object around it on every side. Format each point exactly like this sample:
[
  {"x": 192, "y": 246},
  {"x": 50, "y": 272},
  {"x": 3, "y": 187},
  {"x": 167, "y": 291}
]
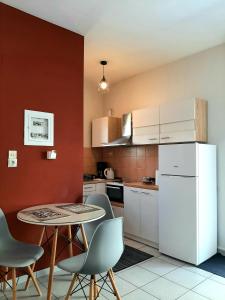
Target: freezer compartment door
[
  {"x": 179, "y": 159},
  {"x": 178, "y": 217}
]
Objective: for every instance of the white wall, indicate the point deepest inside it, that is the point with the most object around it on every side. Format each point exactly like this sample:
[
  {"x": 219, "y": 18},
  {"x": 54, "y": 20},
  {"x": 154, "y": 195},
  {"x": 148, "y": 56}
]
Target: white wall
[
  {"x": 93, "y": 108},
  {"x": 201, "y": 75}
]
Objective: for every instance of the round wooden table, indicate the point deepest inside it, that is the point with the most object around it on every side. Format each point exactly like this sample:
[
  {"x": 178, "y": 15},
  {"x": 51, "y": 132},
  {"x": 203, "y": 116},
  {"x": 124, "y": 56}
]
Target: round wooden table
[{"x": 57, "y": 215}]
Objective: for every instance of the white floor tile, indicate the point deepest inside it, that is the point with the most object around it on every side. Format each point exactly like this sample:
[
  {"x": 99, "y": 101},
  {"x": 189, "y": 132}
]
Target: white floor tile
[
  {"x": 185, "y": 278},
  {"x": 30, "y": 293},
  {"x": 150, "y": 250},
  {"x": 139, "y": 295},
  {"x": 218, "y": 279},
  {"x": 133, "y": 243},
  {"x": 211, "y": 289},
  {"x": 171, "y": 260},
  {"x": 164, "y": 289},
  {"x": 137, "y": 276},
  {"x": 192, "y": 296},
  {"x": 123, "y": 287},
  {"x": 60, "y": 284},
  {"x": 197, "y": 270},
  {"x": 158, "y": 266}
]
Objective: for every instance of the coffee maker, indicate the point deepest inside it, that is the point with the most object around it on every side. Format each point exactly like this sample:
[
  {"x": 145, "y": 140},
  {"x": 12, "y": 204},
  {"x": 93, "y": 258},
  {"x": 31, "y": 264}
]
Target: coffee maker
[{"x": 101, "y": 166}]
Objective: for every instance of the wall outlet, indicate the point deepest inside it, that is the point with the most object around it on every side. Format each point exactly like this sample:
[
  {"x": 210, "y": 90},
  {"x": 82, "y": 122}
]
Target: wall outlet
[{"x": 12, "y": 162}]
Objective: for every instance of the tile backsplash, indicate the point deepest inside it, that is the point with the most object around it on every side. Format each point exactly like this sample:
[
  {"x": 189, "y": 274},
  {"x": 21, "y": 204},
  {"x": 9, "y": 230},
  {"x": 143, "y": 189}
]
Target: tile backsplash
[
  {"x": 130, "y": 163},
  {"x": 91, "y": 156}
]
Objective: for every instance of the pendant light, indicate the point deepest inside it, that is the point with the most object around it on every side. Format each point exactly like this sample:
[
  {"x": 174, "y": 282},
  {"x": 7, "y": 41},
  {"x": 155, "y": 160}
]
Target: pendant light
[{"x": 103, "y": 85}]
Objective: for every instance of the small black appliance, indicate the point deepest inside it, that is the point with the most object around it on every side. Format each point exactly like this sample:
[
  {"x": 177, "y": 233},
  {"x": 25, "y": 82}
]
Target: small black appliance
[{"x": 101, "y": 166}]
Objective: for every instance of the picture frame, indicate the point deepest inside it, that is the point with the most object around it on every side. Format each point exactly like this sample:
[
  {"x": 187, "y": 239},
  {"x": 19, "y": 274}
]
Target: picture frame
[{"x": 38, "y": 128}]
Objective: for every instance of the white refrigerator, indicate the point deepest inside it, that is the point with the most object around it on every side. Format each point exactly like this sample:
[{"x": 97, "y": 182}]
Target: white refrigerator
[{"x": 188, "y": 201}]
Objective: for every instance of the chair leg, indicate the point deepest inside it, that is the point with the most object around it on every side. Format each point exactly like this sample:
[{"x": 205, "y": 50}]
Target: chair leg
[
  {"x": 34, "y": 281},
  {"x": 91, "y": 291},
  {"x": 96, "y": 289},
  {"x": 111, "y": 278},
  {"x": 5, "y": 278},
  {"x": 14, "y": 283},
  {"x": 71, "y": 287},
  {"x": 33, "y": 266}
]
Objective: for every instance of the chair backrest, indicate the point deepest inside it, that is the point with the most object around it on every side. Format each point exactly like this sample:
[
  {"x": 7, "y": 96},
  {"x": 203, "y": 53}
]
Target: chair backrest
[
  {"x": 106, "y": 247},
  {"x": 5, "y": 235},
  {"x": 101, "y": 200}
]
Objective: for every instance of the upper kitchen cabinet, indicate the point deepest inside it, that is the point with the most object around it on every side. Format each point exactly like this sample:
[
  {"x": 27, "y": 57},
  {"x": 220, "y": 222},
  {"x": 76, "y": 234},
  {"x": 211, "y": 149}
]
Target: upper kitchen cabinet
[
  {"x": 105, "y": 130},
  {"x": 183, "y": 121},
  {"x": 146, "y": 126}
]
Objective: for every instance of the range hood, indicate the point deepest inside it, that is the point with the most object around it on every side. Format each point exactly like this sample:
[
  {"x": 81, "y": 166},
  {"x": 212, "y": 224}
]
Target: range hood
[{"x": 126, "y": 138}]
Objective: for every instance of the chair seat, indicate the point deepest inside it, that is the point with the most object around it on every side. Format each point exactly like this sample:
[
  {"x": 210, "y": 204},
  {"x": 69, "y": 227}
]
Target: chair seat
[
  {"x": 73, "y": 264},
  {"x": 17, "y": 254}
]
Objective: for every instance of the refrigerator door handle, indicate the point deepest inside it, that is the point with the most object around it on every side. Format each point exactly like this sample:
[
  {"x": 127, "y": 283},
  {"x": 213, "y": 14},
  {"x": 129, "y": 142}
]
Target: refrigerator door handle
[{"x": 183, "y": 176}]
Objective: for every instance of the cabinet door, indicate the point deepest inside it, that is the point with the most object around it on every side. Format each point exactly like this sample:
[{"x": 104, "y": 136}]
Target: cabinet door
[
  {"x": 99, "y": 132},
  {"x": 178, "y": 132},
  {"x": 118, "y": 211},
  {"x": 89, "y": 189},
  {"x": 178, "y": 217},
  {"x": 146, "y": 117},
  {"x": 146, "y": 135},
  {"x": 131, "y": 211},
  {"x": 177, "y": 111},
  {"x": 100, "y": 188},
  {"x": 149, "y": 215}
]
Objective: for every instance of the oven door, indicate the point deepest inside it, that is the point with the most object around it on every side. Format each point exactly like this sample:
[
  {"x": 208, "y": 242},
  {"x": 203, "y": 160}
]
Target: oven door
[{"x": 115, "y": 193}]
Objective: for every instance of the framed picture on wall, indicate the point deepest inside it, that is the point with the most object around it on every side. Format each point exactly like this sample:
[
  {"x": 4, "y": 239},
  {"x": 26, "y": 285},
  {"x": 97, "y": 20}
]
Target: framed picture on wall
[{"x": 38, "y": 128}]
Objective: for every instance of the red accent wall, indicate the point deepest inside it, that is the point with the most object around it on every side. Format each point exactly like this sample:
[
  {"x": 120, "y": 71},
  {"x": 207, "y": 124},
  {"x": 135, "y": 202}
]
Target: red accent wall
[{"x": 41, "y": 68}]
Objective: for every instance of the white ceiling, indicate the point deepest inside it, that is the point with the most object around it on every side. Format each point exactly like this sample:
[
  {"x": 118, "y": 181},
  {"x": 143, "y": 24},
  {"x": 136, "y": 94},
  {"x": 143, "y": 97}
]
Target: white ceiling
[{"x": 134, "y": 35}]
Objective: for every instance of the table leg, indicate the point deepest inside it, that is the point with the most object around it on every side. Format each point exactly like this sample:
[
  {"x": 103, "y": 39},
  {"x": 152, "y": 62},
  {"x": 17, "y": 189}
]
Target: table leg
[
  {"x": 52, "y": 263},
  {"x": 84, "y": 237},
  {"x": 70, "y": 239},
  {"x": 33, "y": 266}
]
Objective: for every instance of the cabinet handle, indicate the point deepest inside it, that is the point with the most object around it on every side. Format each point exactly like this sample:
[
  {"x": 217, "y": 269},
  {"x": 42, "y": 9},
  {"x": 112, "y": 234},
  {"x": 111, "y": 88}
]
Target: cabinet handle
[
  {"x": 134, "y": 191},
  {"x": 175, "y": 166},
  {"x": 113, "y": 187},
  {"x": 152, "y": 139},
  {"x": 146, "y": 193},
  {"x": 165, "y": 137}
]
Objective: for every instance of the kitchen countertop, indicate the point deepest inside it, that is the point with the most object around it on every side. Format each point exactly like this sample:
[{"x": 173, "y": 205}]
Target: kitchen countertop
[
  {"x": 142, "y": 185},
  {"x": 98, "y": 180},
  {"x": 137, "y": 184}
]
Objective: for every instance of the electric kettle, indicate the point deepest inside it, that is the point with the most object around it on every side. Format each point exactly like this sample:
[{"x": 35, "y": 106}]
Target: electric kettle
[{"x": 109, "y": 173}]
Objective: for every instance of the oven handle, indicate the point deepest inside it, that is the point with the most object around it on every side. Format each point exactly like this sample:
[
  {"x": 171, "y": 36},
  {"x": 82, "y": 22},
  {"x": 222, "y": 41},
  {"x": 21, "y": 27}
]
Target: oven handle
[{"x": 113, "y": 187}]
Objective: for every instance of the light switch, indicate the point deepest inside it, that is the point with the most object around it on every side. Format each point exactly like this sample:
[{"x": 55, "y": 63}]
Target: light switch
[
  {"x": 12, "y": 162},
  {"x": 12, "y": 159},
  {"x": 12, "y": 154}
]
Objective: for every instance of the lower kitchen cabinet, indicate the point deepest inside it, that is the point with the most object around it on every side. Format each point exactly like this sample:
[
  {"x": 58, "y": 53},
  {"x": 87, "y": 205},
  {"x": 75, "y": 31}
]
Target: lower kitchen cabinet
[
  {"x": 149, "y": 215},
  {"x": 91, "y": 188},
  {"x": 118, "y": 211},
  {"x": 141, "y": 213},
  {"x": 100, "y": 188},
  {"x": 132, "y": 220}
]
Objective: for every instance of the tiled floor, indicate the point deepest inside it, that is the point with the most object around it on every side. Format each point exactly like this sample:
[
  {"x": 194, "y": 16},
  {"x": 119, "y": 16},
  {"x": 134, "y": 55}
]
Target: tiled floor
[{"x": 160, "y": 277}]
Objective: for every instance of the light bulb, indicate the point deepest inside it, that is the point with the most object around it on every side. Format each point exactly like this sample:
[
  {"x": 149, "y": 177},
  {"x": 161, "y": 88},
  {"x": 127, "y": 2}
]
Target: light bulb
[{"x": 103, "y": 85}]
